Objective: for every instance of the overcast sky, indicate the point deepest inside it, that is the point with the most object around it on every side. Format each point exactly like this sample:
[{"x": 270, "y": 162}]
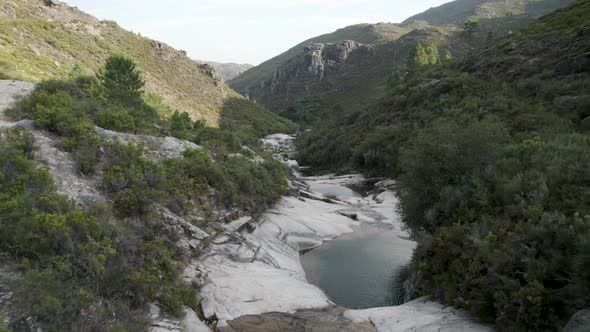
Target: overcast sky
[{"x": 245, "y": 31}]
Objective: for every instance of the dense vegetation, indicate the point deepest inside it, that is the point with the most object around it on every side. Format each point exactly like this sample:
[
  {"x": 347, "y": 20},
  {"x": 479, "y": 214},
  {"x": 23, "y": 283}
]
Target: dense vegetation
[
  {"x": 493, "y": 157},
  {"x": 95, "y": 267}
]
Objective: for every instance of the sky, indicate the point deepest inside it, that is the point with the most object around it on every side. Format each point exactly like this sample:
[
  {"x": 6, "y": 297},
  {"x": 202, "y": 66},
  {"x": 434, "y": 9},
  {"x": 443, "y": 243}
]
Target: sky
[{"x": 245, "y": 31}]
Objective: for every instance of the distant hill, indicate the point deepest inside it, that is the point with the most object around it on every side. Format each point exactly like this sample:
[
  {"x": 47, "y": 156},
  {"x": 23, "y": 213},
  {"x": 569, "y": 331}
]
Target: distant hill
[
  {"x": 350, "y": 66},
  {"x": 228, "y": 70},
  {"x": 42, "y": 39}
]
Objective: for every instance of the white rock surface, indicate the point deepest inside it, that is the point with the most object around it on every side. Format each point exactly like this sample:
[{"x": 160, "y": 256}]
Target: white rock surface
[
  {"x": 9, "y": 90},
  {"x": 258, "y": 272},
  {"x": 418, "y": 315},
  {"x": 190, "y": 322},
  {"x": 155, "y": 147}
]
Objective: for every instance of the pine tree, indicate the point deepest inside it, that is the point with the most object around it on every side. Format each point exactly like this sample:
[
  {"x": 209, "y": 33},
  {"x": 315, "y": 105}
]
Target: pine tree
[
  {"x": 419, "y": 57},
  {"x": 121, "y": 80}
]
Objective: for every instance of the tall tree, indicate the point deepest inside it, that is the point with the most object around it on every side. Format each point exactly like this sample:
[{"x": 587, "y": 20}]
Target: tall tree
[{"x": 121, "y": 80}]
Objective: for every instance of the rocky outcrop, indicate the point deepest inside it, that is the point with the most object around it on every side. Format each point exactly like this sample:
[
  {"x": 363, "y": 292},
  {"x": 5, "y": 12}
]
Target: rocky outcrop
[
  {"x": 162, "y": 323},
  {"x": 212, "y": 72},
  {"x": 580, "y": 322},
  {"x": 315, "y": 61},
  {"x": 330, "y": 319},
  {"x": 418, "y": 315},
  {"x": 227, "y": 70},
  {"x": 154, "y": 147},
  {"x": 9, "y": 90}
]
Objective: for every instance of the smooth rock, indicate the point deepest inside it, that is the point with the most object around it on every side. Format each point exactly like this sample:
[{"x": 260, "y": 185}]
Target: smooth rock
[
  {"x": 418, "y": 315},
  {"x": 580, "y": 322},
  {"x": 329, "y": 319}
]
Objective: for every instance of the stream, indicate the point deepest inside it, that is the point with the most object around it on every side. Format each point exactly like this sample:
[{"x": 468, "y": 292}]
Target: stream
[{"x": 358, "y": 270}]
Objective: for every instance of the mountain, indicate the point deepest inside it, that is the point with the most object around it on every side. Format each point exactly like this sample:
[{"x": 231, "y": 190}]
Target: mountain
[
  {"x": 350, "y": 67},
  {"x": 47, "y": 39},
  {"x": 228, "y": 70},
  {"x": 491, "y": 156}
]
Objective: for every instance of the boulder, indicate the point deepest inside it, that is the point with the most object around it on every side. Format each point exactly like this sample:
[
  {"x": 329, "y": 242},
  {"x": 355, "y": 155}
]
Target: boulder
[{"x": 580, "y": 322}]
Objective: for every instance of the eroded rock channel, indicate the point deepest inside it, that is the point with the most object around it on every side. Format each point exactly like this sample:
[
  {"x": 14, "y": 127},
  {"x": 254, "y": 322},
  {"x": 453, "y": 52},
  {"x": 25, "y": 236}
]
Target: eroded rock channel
[{"x": 252, "y": 277}]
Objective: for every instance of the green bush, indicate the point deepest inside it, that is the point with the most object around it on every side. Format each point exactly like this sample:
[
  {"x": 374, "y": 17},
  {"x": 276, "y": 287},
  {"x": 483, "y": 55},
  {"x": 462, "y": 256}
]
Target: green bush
[
  {"x": 115, "y": 118},
  {"x": 180, "y": 125},
  {"x": 133, "y": 181},
  {"x": 83, "y": 268}
]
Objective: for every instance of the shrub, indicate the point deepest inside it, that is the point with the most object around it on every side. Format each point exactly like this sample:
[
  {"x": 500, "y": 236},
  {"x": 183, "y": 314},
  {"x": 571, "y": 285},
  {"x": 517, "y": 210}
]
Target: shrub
[
  {"x": 181, "y": 125},
  {"x": 115, "y": 118}
]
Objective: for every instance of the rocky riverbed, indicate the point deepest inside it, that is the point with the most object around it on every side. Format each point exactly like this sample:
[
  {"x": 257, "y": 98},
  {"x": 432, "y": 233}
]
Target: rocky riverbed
[{"x": 251, "y": 277}]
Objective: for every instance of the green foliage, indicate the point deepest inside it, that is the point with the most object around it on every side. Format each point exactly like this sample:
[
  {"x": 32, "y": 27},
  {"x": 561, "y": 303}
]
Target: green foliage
[
  {"x": 447, "y": 58},
  {"x": 96, "y": 268},
  {"x": 121, "y": 80},
  {"x": 181, "y": 125},
  {"x": 115, "y": 118},
  {"x": 133, "y": 181},
  {"x": 58, "y": 114},
  {"x": 252, "y": 119},
  {"x": 306, "y": 111},
  {"x": 82, "y": 268},
  {"x": 492, "y": 157},
  {"x": 424, "y": 55}
]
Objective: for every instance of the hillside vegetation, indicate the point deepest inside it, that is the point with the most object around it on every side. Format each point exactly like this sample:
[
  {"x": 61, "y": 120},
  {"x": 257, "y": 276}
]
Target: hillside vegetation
[
  {"x": 359, "y": 77},
  {"x": 492, "y": 154},
  {"x": 95, "y": 265},
  {"x": 42, "y": 40}
]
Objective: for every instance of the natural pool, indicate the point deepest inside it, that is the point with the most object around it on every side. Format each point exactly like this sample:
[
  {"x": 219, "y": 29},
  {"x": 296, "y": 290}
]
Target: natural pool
[
  {"x": 333, "y": 189},
  {"x": 363, "y": 269}
]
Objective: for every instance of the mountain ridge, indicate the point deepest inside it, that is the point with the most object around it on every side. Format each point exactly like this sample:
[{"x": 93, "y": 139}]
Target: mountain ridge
[{"x": 260, "y": 83}]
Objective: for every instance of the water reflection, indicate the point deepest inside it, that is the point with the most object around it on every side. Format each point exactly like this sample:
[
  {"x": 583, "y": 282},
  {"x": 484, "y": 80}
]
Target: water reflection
[{"x": 355, "y": 270}]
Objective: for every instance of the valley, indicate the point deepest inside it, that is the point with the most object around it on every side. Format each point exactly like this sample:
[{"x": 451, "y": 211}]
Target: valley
[{"x": 428, "y": 175}]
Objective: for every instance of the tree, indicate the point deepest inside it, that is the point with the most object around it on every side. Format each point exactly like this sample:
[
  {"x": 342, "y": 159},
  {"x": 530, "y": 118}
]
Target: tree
[
  {"x": 432, "y": 53},
  {"x": 121, "y": 80},
  {"x": 471, "y": 25},
  {"x": 448, "y": 57},
  {"x": 424, "y": 55},
  {"x": 180, "y": 125},
  {"x": 418, "y": 56}
]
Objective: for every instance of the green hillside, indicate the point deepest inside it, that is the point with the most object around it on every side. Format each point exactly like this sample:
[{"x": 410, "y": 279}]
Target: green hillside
[
  {"x": 40, "y": 40},
  {"x": 360, "y": 79},
  {"x": 492, "y": 154},
  {"x": 455, "y": 12}
]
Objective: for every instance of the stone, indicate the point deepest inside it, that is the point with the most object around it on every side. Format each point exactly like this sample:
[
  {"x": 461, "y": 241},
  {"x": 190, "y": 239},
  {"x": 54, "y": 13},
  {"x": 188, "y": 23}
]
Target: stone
[
  {"x": 189, "y": 323},
  {"x": 328, "y": 319},
  {"x": 418, "y": 315},
  {"x": 580, "y": 322}
]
